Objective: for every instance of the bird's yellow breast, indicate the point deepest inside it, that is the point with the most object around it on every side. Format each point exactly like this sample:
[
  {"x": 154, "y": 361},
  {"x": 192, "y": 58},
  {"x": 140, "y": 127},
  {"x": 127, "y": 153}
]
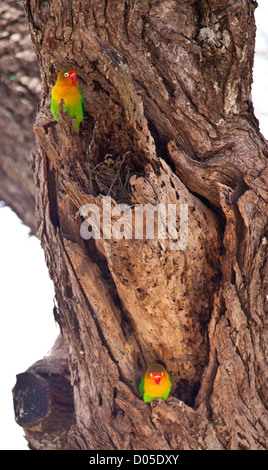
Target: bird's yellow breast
[
  {"x": 70, "y": 94},
  {"x": 152, "y": 389}
]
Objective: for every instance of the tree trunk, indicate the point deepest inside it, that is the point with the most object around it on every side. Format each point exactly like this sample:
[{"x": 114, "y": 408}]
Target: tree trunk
[
  {"x": 19, "y": 90},
  {"x": 169, "y": 120}
]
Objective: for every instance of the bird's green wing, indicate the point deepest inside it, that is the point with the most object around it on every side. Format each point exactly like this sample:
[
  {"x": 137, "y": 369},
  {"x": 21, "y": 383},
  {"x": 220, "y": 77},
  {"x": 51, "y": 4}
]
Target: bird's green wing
[
  {"x": 141, "y": 386},
  {"x": 83, "y": 103}
]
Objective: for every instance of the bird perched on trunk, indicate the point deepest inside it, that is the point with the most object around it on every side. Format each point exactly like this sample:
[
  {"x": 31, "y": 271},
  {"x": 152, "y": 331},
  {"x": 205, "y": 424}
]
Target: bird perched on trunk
[
  {"x": 67, "y": 89},
  {"x": 156, "y": 383}
]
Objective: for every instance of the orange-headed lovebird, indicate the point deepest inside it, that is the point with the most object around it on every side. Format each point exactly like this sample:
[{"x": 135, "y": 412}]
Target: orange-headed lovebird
[
  {"x": 67, "y": 88},
  {"x": 156, "y": 383}
]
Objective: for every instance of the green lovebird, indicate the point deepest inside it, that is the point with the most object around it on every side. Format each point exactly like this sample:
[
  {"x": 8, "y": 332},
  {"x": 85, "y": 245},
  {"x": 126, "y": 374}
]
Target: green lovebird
[
  {"x": 67, "y": 88},
  {"x": 156, "y": 383}
]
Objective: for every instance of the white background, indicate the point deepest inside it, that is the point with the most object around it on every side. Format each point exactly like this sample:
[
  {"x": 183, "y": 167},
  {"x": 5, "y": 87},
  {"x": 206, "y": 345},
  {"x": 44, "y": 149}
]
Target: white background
[{"x": 28, "y": 329}]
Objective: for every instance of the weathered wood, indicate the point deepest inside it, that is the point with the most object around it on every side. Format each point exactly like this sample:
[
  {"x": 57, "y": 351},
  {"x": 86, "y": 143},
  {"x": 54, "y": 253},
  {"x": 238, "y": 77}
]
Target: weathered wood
[
  {"x": 43, "y": 400},
  {"x": 20, "y": 88}
]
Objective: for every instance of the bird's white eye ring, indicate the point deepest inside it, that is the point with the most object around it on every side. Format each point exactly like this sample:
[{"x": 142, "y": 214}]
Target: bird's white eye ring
[{"x": 66, "y": 74}]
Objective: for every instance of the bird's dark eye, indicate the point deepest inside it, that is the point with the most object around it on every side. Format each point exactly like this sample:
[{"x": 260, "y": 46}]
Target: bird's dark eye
[{"x": 66, "y": 74}]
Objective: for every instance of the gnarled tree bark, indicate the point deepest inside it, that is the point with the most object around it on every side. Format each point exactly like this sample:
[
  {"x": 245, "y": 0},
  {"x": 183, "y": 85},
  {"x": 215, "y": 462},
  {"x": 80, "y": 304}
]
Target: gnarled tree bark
[
  {"x": 168, "y": 120},
  {"x": 20, "y": 89}
]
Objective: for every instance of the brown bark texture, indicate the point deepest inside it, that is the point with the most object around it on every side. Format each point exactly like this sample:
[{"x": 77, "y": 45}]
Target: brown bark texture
[
  {"x": 20, "y": 88},
  {"x": 43, "y": 400},
  {"x": 169, "y": 120}
]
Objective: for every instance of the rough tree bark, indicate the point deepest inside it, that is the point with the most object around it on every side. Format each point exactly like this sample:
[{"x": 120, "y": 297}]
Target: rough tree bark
[
  {"x": 169, "y": 119},
  {"x": 20, "y": 88}
]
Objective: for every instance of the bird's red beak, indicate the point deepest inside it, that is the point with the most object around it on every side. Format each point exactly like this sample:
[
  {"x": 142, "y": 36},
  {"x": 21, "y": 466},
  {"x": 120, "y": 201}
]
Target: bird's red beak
[
  {"x": 157, "y": 378},
  {"x": 73, "y": 77}
]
